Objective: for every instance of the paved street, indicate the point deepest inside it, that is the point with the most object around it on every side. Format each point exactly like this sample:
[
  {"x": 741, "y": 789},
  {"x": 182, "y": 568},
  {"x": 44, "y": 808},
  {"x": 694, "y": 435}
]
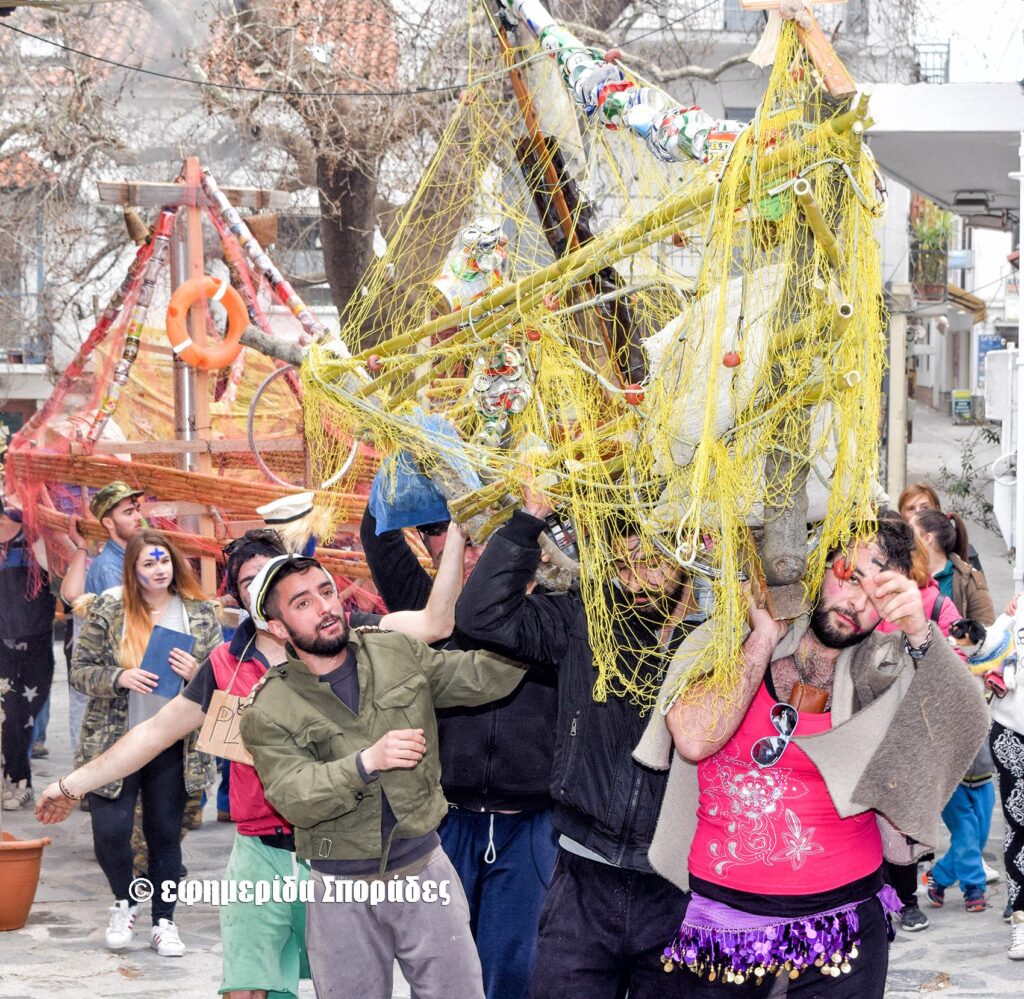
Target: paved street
[{"x": 60, "y": 952}]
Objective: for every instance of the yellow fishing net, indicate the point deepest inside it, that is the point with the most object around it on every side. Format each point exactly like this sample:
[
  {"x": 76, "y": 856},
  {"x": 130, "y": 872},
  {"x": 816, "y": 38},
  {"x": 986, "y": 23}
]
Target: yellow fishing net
[{"x": 743, "y": 292}]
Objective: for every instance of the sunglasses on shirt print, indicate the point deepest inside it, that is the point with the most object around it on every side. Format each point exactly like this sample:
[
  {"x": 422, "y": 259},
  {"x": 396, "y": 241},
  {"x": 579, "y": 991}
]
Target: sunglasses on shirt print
[{"x": 768, "y": 751}]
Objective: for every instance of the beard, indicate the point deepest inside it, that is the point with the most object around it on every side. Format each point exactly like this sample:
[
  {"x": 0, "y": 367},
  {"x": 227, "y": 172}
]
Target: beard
[
  {"x": 830, "y": 636},
  {"x": 315, "y": 644}
]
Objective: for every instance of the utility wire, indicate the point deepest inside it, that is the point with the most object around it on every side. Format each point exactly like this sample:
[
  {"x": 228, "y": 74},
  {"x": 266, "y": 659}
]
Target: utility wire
[{"x": 451, "y": 88}]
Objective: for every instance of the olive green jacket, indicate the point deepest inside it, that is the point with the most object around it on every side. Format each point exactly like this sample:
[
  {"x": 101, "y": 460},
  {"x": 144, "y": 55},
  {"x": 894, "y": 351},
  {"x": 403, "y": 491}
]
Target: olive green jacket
[
  {"x": 95, "y": 669},
  {"x": 304, "y": 740}
]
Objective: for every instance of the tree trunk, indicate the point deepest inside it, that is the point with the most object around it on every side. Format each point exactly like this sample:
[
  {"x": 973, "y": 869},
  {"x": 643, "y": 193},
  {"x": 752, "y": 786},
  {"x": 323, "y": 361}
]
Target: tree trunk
[{"x": 347, "y": 218}]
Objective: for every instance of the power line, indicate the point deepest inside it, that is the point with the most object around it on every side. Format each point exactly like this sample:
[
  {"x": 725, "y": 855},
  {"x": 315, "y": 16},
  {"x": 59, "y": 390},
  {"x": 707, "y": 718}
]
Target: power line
[
  {"x": 451, "y": 88},
  {"x": 213, "y": 85}
]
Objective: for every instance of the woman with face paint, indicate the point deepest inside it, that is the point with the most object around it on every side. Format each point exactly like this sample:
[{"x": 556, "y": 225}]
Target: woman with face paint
[{"x": 158, "y": 588}]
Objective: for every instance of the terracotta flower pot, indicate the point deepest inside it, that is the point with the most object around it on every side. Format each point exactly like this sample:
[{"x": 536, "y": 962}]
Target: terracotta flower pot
[{"x": 19, "y": 875}]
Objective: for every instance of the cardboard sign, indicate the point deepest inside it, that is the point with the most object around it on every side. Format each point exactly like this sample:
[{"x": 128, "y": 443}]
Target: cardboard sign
[{"x": 219, "y": 735}]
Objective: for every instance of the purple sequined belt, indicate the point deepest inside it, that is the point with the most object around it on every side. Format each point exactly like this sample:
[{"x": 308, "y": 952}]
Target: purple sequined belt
[{"x": 718, "y": 941}]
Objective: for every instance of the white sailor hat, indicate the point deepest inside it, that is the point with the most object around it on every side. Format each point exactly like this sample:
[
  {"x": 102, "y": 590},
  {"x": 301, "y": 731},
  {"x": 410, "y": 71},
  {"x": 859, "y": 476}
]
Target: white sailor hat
[
  {"x": 287, "y": 509},
  {"x": 264, "y": 580}
]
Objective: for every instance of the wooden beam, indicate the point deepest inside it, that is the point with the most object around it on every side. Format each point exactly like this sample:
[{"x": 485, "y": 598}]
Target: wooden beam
[
  {"x": 236, "y": 446},
  {"x": 146, "y": 194}
]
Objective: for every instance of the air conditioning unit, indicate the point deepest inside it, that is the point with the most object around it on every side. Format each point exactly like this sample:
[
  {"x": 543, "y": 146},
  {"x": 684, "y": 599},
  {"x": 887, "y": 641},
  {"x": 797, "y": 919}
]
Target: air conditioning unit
[{"x": 972, "y": 202}]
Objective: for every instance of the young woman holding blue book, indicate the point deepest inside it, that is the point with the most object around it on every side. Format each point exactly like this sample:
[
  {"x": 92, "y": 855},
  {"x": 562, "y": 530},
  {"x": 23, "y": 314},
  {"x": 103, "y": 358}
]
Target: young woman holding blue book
[{"x": 125, "y": 686}]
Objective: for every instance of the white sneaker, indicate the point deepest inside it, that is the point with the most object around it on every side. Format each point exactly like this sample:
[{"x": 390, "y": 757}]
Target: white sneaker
[
  {"x": 1016, "y": 951},
  {"x": 16, "y": 796},
  {"x": 121, "y": 925},
  {"x": 165, "y": 940},
  {"x": 991, "y": 874}
]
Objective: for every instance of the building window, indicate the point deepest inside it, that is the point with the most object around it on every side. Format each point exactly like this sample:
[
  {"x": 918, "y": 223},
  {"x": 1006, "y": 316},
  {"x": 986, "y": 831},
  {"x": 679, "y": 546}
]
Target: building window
[{"x": 739, "y": 19}]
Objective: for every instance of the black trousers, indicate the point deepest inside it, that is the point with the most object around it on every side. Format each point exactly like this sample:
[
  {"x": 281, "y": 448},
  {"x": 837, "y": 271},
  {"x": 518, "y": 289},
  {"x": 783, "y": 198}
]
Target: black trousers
[
  {"x": 903, "y": 878},
  {"x": 866, "y": 979},
  {"x": 26, "y": 664},
  {"x": 1008, "y": 754},
  {"x": 162, "y": 785},
  {"x": 603, "y": 931}
]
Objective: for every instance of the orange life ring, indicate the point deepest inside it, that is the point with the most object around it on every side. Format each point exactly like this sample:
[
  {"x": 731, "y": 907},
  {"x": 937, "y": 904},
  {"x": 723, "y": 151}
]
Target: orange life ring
[{"x": 214, "y": 357}]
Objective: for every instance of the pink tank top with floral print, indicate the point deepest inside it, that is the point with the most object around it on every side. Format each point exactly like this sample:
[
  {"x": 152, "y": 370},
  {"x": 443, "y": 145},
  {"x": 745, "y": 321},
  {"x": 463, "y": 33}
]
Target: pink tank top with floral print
[{"x": 774, "y": 830}]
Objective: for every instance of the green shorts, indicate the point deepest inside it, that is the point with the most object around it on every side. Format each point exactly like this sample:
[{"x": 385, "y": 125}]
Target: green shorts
[{"x": 264, "y": 945}]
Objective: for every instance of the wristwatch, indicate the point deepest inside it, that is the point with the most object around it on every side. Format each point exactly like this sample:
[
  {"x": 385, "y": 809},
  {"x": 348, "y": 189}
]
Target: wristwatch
[{"x": 921, "y": 650}]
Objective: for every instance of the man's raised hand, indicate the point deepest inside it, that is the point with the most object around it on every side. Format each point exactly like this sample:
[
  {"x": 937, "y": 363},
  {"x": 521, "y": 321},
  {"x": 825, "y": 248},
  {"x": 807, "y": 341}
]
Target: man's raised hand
[
  {"x": 897, "y": 598},
  {"x": 399, "y": 749}
]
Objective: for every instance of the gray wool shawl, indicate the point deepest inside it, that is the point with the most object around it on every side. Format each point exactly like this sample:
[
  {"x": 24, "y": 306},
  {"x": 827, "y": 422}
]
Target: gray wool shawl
[{"x": 901, "y": 740}]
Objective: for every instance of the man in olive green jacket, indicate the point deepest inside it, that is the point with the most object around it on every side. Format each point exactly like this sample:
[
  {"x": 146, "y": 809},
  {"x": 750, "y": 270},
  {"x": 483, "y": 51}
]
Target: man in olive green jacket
[{"x": 344, "y": 738}]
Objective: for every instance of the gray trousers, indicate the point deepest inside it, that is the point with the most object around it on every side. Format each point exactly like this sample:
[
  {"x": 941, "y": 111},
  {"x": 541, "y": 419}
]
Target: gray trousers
[{"x": 353, "y": 946}]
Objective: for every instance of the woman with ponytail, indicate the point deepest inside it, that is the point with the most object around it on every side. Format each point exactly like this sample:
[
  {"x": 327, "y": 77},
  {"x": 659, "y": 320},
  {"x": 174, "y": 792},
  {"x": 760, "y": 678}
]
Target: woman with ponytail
[
  {"x": 945, "y": 539},
  {"x": 158, "y": 588},
  {"x": 921, "y": 496}
]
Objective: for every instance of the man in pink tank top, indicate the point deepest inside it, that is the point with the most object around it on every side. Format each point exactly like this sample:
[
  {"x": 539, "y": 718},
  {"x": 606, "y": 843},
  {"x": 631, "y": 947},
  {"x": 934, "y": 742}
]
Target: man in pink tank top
[{"x": 781, "y": 786}]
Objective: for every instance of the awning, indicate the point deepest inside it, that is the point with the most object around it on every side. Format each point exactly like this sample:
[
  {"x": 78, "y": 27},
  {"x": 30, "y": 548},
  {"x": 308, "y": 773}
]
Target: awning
[
  {"x": 954, "y": 143},
  {"x": 971, "y": 304}
]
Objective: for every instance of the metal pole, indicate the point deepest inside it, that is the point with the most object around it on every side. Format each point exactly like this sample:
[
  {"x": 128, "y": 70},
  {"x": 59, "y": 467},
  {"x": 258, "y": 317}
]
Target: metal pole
[
  {"x": 897, "y": 457},
  {"x": 1018, "y": 513},
  {"x": 184, "y": 411}
]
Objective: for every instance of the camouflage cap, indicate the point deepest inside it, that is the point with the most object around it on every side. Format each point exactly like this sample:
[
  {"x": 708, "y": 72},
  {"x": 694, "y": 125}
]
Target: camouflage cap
[{"x": 109, "y": 496}]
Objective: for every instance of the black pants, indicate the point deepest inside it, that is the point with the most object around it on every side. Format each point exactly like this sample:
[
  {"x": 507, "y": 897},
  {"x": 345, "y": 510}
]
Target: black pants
[
  {"x": 1008, "y": 754},
  {"x": 27, "y": 666},
  {"x": 866, "y": 979},
  {"x": 603, "y": 931},
  {"x": 903, "y": 878},
  {"x": 162, "y": 785}
]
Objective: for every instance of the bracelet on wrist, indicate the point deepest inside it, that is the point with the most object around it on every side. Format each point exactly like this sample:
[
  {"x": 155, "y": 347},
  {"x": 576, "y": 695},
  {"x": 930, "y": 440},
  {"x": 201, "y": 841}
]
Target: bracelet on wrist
[
  {"x": 67, "y": 794},
  {"x": 917, "y": 651}
]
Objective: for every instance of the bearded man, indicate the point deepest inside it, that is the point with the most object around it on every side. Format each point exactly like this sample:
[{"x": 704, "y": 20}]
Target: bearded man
[
  {"x": 344, "y": 739},
  {"x": 837, "y": 746}
]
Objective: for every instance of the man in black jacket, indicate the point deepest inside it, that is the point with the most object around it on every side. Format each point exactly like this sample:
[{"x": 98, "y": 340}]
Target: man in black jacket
[
  {"x": 607, "y": 913},
  {"x": 495, "y": 770}
]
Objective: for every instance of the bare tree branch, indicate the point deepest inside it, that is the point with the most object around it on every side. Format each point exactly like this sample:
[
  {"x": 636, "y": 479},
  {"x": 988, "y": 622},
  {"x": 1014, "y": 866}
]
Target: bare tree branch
[{"x": 650, "y": 69}]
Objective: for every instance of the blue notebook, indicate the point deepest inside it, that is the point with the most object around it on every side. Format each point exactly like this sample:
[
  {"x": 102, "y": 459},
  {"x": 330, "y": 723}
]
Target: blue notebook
[{"x": 156, "y": 659}]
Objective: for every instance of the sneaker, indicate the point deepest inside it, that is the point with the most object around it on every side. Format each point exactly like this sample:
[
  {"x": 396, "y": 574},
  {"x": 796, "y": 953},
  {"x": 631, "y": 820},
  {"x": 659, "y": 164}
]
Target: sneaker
[
  {"x": 1007, "y": 912},
  {"x": 974, "y": 900},
  {"x": 39, "y": 750},
  {"x": 165, "y": 941},
  {"x": 1016, "y": 951},
  {"x": 936, "y": 892},
  {"x": 991, "y": 874},
  {"x": 17, "y": 795},
  {"x": 913, "y": 919},
  {"x": 121, "y": 925}
]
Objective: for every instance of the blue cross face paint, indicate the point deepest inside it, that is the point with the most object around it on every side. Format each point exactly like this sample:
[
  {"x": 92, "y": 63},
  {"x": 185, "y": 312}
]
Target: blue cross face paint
[{"x": 154, "y": 569}]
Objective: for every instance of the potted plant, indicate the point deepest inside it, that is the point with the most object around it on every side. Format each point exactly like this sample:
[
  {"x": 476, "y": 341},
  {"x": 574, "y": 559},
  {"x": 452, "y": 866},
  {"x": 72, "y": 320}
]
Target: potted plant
[
  {"x": 19, "y": 866},
  {"x": 930, "y": 235}
]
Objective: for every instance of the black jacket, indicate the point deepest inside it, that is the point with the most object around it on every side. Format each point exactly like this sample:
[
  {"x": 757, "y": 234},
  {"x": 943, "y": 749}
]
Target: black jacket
[
  {"x": 26, "y": 611},
  {"x": 603, "y": 798},
  {"x": 495, "y": 757}
]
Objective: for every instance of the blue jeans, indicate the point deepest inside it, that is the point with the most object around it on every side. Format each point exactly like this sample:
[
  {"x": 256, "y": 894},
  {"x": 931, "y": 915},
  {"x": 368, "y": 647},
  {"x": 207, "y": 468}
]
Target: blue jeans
[
  {"x": 224, "y": 788},
  {"x": 42, "y": 720},
  {"x": 968, "y": 815},
  {"x": 505, "y": 864}
]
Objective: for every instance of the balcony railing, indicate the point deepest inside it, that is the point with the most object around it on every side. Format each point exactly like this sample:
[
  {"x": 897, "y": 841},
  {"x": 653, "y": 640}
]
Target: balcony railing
[
  {"x": 730, "y": 15},
  {"x": 932, "y": 62}
]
